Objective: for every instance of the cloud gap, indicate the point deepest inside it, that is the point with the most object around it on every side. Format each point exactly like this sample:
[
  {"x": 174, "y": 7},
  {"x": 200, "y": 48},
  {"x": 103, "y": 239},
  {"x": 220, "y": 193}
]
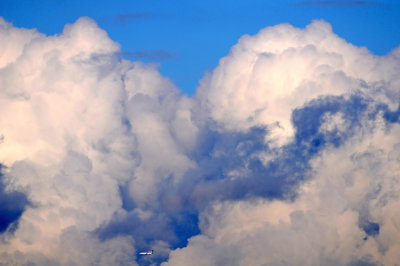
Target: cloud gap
[{"x": 12, "y": 206}]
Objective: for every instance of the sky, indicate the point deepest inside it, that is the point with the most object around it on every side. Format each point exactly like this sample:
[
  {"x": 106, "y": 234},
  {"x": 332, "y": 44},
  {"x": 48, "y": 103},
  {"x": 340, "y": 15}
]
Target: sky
[
  {"x": 212, "y": 133},
  {"x": 175, "y": 34}
]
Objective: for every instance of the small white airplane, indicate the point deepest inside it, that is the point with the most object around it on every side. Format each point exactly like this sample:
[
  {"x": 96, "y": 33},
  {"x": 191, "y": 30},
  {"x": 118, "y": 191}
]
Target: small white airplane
[{"x": 146, "y": 253}]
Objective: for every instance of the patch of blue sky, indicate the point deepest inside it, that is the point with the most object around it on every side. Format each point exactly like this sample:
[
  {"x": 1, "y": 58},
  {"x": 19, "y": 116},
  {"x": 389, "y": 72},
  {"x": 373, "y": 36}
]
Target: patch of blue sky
[{"x": 12, "y": 205}]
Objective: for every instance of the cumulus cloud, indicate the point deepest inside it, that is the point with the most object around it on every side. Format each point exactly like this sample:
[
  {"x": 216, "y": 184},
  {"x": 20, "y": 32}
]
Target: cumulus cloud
[
  {"x": 77, "y": 123},
  {"x": 266, "y": 76},
  {"x": 344, "y": 214},
  {"x": 332, "y": 106},
  {"x": 286, "y": 154}
]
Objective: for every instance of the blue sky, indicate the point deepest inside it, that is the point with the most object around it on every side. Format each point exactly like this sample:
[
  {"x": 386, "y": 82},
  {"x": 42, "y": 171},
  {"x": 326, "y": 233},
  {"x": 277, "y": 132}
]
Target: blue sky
[{"x": 187, "y": 38}]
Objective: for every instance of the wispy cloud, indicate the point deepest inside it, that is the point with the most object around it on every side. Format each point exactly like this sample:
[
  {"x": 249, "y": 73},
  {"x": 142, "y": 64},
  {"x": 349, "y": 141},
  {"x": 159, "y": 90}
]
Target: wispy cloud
[
  {"x": 126, "y": 18},
  {"x": 156, "y": 55},
  {"x": 339, "y": 3}
]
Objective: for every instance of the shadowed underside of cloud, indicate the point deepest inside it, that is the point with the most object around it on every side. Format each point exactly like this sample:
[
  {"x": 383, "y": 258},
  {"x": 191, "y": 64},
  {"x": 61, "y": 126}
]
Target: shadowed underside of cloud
[{"x": 286, "y": 155}]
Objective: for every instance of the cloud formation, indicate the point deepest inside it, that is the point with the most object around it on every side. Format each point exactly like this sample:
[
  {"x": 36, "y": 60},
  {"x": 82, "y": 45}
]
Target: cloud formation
[
  {"x": 154, "y": 55},
  {"x": 126, "y": 18},
  {"x": 286, "y": 155},
  {"x": 340, "y": 3},
  {"x": 345, "y": 214},
  {"x": 69, "y": 143}
]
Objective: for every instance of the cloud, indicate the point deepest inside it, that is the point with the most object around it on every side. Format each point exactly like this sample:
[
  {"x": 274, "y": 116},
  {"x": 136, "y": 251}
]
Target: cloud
[
  {"x": 129, "y": 17},
  {"x": 286, "y": 154},
  {"x": 340, "y": 3},
  {"x": 343, "y": 214},
  {"x": 249, "y": 88},
  {"x": 68, "y": 142},
  {"x": 153, "y": 55},
  {"x": 338, "y": 128}
]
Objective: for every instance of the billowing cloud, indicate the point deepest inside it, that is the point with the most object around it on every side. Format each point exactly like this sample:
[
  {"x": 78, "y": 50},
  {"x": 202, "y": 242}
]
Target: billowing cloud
[
  {"x": 265, "y": 77},
  {"x": 286, "y": 155},
  {"x": 332, "y": 106},
  {"x": 77, "y": 123},
  {"x": 345, "y": 214}
]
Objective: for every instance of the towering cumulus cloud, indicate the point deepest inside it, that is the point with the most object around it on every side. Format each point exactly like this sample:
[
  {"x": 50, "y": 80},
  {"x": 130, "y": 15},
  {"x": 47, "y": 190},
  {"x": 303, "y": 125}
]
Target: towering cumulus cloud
[
  {"x": 288, "y": 153},
  {"x": 77, "y": 123}
]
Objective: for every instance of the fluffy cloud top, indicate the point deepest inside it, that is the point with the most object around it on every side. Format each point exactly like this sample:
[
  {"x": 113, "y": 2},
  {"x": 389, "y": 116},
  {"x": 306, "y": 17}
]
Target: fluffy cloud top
[
  {"x": 77, "y": 122},
  {"x": 286, "y": 155},
  {"x": 266, "y": 76}
]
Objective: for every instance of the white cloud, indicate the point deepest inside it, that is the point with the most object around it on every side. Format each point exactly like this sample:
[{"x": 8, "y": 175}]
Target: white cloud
[
  {"x": 346, "y": 210},
  {"x": 348, "y": 187},
  {"x": 334, "y": 122},
  {"x": 266, "y": 76},
  {"x": 74, "y": 128}
]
